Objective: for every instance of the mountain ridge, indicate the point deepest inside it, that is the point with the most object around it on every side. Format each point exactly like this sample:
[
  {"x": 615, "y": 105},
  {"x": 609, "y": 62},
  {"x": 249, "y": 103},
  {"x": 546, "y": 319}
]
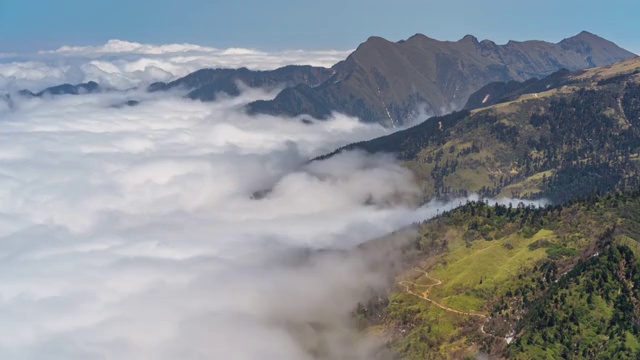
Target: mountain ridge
[
  {"x": 205, "y": 84},
  {"x": 392, "y": 82},
  {"x": 65, "y": 89},
  {"x": 387, "y": 82}
]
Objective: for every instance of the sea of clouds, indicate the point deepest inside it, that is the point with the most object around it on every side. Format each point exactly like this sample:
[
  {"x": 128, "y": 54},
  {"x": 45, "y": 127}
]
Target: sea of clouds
[
  {"x": 177, "y": 229},
  {"x": 122, "y": 65},
  {"x": 169, "y": 230}
]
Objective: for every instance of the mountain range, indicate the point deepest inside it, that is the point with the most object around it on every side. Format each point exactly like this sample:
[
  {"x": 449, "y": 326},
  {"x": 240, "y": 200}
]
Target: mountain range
[
  {"x": 205, "y": 84},
  {"x": 392, "y": 83},
  {"x": 65, "y": 89}
]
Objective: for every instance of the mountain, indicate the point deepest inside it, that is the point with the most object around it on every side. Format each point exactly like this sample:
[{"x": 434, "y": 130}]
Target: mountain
[
  {"x": 579, "y": 136},
  {"x": 518, "y": 282},
  {"x": 65, "y": 89},
  {"x": 206, "y": 84},
  {"x": 90, "y": 87},
  {"x": 389, "y": 82}
]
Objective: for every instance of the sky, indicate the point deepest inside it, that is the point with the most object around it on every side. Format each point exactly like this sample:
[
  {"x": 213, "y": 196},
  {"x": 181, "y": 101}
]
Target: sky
[{"x": 285, "y": 24}]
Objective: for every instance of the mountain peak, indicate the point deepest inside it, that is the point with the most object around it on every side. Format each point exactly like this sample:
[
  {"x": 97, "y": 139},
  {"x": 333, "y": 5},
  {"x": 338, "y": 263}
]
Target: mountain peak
[
  {"x": 376, "y": 40},
  {"x": 584, "y": 36},
  {"x": 585, "y": 33},
  {"x": 373, "y": 42},
  {"x": 419, "y": 36},
  {"x": 469, "y": 38},
  {"x": 592, "y": 45}
]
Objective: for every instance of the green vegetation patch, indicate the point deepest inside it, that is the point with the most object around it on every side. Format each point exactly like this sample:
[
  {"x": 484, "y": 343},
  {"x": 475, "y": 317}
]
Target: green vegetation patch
[
  {"x": 591, "y": 313},
  {"x": 473, "y": 275},
  {"x": 552, "y": 279}
]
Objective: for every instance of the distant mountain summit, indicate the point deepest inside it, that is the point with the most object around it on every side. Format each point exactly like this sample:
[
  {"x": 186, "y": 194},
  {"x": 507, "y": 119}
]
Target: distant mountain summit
[
  {"x": 388, "y": 82},
  {"x": 205, "y": 84},
  {"x": 65, "y": 89}
]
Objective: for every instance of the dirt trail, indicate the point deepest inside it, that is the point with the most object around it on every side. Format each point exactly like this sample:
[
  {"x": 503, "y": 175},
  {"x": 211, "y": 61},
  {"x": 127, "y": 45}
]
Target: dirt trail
[{"x": 425, "y": 295}]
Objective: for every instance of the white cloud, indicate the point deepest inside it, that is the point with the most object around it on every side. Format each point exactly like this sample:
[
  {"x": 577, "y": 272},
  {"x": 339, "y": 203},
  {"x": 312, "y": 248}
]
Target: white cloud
[
  {"x": 177, "y": 229},
  {"x": 131, "y": 232},
  {"x": 122, "y": 64}
]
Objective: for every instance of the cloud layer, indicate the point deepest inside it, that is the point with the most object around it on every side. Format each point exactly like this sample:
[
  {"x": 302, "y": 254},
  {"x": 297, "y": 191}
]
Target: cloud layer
[
  {"x": 178, "y": 229},
  {"x": 122, "y": 64}
]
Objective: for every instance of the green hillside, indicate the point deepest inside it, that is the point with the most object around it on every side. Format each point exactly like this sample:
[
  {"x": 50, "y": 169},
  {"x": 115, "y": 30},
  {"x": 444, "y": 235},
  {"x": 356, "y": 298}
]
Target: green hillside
[{"x": 520, "y": 282}]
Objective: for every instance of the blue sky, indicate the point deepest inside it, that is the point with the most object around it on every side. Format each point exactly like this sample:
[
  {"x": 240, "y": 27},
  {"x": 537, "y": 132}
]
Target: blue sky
[{"x": 284, "y": 24}]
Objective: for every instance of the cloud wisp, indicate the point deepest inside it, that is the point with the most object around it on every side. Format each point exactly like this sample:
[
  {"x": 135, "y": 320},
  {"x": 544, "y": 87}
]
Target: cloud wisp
[{"x": 122, "y": 65}]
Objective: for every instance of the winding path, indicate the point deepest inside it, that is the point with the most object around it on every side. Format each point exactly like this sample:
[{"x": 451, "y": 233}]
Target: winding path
[{"x": 425, "y": 296}]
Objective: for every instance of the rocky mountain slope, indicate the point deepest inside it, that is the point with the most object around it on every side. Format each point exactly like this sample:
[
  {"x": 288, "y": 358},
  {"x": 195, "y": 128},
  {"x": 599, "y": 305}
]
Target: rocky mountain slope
[{"x": 390, "y": 82}]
